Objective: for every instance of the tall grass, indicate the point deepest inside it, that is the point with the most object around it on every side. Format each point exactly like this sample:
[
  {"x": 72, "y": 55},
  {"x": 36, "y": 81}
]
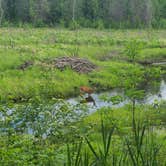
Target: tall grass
[{"x": 139, "y": 146}]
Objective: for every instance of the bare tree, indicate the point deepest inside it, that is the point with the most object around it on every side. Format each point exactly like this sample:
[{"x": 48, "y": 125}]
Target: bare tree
[
  {"x": 148, "y": 12},
  {"x": 1, "y": 12},
  {"x": 73, "y": 14}
]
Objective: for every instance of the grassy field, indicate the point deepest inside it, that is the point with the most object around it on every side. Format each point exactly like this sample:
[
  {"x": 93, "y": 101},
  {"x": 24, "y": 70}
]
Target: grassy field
[
  {"x": 106, "y": 49},
  {"x": 38, "y": 129}
]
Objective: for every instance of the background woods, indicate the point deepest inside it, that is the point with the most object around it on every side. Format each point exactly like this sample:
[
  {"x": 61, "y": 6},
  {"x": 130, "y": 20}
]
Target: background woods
[{"x": 94, "y": 13}]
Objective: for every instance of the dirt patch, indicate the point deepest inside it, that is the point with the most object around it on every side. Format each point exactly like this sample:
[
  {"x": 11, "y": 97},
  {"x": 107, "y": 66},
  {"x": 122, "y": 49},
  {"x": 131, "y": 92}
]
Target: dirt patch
[
  {"x": 109, "y": 56},
  {"x": 145, "y": 62},
  {"x": 25, "y": 65},
  {"x": 152, "y": 62},
  {"x": 79, "y": 65}
]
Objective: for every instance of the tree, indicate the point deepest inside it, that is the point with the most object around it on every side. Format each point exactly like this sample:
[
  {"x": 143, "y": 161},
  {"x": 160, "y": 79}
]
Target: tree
[
  {"x": 9, "y": 10},
  {"x": 1, "y": 12},
  {"x": 109, "y": 13},
  {"x": 39, "y": 11},
  {"x": 22, "y": 10}
]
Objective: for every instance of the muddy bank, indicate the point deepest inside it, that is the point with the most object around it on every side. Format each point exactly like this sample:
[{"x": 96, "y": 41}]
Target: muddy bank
[
  {"x": 153, "y": 63},
  {"x": 26, "y": 65}
]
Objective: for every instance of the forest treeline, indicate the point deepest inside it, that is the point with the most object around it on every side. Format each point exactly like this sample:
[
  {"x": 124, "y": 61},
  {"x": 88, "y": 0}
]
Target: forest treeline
[{"x": 85, "y": 13}]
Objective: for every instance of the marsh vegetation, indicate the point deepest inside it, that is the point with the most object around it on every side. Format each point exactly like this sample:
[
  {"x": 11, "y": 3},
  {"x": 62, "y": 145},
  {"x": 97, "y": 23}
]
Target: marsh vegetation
[{"x": 40, "y": 126}]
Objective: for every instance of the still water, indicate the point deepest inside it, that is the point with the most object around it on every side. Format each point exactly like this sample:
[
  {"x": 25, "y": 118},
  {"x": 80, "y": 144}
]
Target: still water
[{"x": 149, "y": 98}]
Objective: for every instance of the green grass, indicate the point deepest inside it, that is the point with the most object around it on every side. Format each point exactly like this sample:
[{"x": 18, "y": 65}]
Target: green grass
[
  {"x": 103, "y": 48},
  {"x": 153, "y": 54},
  {"x": 122, "y": 116}
]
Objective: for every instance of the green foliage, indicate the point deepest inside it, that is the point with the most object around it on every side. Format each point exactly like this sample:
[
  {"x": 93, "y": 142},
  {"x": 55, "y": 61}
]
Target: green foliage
[
  {"x": 41, "y": 46},
  {"x": 37, "y": 130},
  {"x": 114, "y": 99},
  {"x": 135, "y": 145},
  {"x": 112, "y": 140},
  {"x": 73, "y": 25},
  {"x": 94, "y": 13},
  {"x": 42, "y": 120},
  {"x": 132, "y": 49},
  {"x": 74, "y": 155},
  {"x": 101, "y": 157},
  {"x": 27, "y": 150},
  {"x": 99, "y": 24}
]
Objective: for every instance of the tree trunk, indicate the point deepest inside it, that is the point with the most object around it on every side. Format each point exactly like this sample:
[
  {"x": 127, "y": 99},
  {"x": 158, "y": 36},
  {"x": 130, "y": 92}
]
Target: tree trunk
[{"x": 1, "y": 12}]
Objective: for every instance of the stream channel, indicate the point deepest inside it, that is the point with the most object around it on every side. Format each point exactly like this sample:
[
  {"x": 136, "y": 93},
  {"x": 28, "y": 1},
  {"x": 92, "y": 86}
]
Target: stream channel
[
  {"x": 42, "y": 123},
  {"x": 150, "y": 97}
]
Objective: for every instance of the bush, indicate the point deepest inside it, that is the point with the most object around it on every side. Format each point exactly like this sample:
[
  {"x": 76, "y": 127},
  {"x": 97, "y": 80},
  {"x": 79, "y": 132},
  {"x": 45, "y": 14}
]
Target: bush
[
  {"x": 162, "y": 23},
  {"x": 73, "y": 25},
  {"x": 132, "y": 49},
  {"x": 99, "y": 24}
]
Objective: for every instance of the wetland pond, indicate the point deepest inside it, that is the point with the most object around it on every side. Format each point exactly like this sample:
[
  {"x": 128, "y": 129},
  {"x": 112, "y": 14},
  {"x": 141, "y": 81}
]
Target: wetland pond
[
  {"x": 151, "y": 96},
  {"x": 40, "y": 120}
]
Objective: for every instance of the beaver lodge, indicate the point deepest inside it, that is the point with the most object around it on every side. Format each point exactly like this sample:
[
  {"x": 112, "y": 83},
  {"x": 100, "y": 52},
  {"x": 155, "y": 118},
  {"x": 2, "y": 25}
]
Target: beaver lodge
[{"x": 79, "y": 65}]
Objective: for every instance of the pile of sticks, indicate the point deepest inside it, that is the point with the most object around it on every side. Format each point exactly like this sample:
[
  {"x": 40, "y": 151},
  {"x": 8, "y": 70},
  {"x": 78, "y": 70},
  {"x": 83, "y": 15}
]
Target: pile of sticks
[{"x": 77, "y": 64}]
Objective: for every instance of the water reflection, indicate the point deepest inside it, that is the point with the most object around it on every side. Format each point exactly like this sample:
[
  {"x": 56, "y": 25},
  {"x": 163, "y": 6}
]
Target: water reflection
[
  {"x": 161, "y": 95},
  {"x": 43, "y": 120},
  {"x": 150, "y": 97}
]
